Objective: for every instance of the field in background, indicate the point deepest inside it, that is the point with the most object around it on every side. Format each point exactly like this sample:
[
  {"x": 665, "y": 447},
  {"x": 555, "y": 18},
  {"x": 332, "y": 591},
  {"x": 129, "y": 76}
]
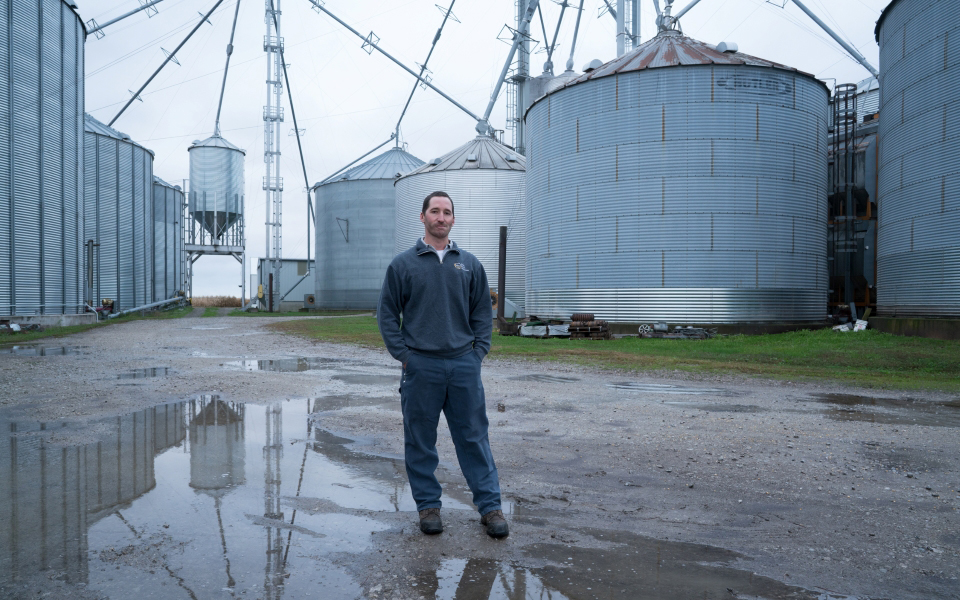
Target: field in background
[
  {"x": 216, "y": 301},
  {"x": 868, "y": 358}
]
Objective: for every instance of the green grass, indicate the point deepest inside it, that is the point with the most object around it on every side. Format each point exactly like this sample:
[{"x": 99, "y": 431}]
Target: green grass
[
  {"x": 868, "y": 358},
  {"x": 313, "y": 313},
  {"x": 56, "y": 331},
  {"x": 211, "y": 311}
]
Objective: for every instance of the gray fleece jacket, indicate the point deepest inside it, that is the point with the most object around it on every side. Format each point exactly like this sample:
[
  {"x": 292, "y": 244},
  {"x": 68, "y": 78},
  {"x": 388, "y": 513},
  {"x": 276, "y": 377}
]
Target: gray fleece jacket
[{"x": 433, "y": 307}]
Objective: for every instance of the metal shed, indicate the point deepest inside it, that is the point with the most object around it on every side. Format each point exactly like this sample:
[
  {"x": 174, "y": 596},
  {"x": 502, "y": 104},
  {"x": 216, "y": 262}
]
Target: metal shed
[
  {"x": 41, "y": 157},
  {"x": 118, "y": 209},
  {"x": 355, "y": 230},
  {"x": 168, "y": 253},
  {"x": 918, "y": 245},
  {"x": 485, "y": 179},
  {"x": 679, "y": 183}
]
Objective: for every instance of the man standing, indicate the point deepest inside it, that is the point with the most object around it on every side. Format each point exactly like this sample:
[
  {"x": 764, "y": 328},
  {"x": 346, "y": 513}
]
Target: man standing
[{"x": 447, "y": 321}]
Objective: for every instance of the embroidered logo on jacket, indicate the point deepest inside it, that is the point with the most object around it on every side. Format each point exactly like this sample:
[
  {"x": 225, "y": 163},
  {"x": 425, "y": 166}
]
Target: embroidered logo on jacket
[{"x": 461, "y": 267}]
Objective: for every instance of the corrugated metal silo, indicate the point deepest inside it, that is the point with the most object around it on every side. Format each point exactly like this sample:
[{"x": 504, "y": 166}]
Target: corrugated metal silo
[
  {"x": 485, "y": 179},
  {"x": 41, "y": 157},
  {"x": 216, "y": 184},
  {"x": 918, "y": 245},
  {"x": 679, "y": 183},
  {"x": 167, "y": 239},
  {"x": 355, "y": 230},
  {"x": 118, "y": 204}
]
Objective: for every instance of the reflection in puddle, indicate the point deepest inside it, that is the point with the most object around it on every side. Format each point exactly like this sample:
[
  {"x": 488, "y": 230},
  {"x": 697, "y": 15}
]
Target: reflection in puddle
[
  {"x": 196, "y": 496},
  {"x": 663, "y": 388},
  {"x": 360, "y": 379},
  {"x": 43, "y": 350},
  {"x": 545, "y": 378},
  {"x": 287, "y": 365},
  {"x": 892, "y": 411},
  {"x": 145, "y": 373}
]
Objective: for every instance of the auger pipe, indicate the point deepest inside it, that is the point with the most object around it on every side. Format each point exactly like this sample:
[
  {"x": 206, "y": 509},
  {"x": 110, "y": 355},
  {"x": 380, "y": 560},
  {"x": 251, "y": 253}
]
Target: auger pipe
[
  {"x": 576, "y": 30},
  {"x": 223, "y": 86},
  {"x": 164, "y": 63},
  {"x": 849, "y": 48},
  {"x": 123, "y": 16},
  {"x": 320, "y": 7},
  {"x": 483, "y": 125},
  {"x": 344, "y": 168}
]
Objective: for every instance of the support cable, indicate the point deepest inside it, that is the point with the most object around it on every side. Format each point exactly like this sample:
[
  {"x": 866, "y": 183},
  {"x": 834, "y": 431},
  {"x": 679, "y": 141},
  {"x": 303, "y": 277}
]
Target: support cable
[
  {"x": 97, "y": 29},
  {"x": 223, "y": 86},
  {"x": 370, "y": 42},
  {"x": 423, "y": 68},
  {"x": 164, "y": 63}
]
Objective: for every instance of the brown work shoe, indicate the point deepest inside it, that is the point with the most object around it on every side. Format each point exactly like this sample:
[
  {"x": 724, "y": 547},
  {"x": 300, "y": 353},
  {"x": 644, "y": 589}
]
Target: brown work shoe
[
  {"x": 430, "y": 522},
  {"x": 496, "y": 524}
]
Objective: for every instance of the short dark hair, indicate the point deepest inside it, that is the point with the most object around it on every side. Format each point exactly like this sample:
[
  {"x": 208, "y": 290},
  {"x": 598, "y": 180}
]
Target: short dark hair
[{"x": 426, "y": 201}]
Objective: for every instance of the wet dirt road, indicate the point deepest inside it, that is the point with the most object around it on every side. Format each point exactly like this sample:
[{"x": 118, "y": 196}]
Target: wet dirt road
[{"x": 212, "y": 458}]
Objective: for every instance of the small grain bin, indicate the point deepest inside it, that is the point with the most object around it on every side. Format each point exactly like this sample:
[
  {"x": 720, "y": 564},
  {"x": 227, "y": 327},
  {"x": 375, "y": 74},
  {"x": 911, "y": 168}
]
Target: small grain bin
[
  {"x": 485, "y": 180},
  {"x": 216, "y": 188},
  {"x": 680, "y": 183},
  {"x": 355, "y": 230}
]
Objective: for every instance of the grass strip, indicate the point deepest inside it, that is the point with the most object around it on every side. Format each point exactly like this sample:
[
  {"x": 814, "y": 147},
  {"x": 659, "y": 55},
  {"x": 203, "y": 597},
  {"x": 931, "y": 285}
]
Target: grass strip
[
  {"x": 312, "y": 313},
  {"x": 55, "y": 331},
  {"x": 868, "y": 358},
  {"x": 210, "y": 311}
]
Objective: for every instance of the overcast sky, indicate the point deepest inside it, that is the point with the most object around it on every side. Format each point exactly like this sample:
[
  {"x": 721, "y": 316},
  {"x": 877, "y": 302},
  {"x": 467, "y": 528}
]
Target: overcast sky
[{"x": 349, "y": 101}]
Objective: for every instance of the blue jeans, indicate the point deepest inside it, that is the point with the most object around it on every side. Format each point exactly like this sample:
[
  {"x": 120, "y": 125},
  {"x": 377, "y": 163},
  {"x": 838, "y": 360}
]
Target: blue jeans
[{"x": 452, "y": 385}]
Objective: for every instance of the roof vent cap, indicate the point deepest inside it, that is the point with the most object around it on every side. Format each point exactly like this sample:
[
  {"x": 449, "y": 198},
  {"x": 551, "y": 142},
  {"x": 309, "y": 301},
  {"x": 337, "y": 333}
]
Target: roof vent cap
[
  {"x": 593, "y": 64},
  {"x": 471, "y": 158},
  {"x": 434, "y": 161},
  {"x": 511, "y": 158},
  {"x": 727, "y": 47}
]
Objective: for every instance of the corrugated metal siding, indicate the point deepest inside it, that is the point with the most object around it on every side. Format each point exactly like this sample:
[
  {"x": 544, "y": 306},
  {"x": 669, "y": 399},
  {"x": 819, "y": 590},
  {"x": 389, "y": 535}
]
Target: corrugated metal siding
[
  {"x": 167, "y": 202},
  {"x": 691, "y": 194},
  {"x": 484, "y": 199},
  {"x": 216, "y": 186},
  {"x": 288, "y": 278},
  {"x": 41, "y": 82},
  {"x": 118, "y": 197},
  {"x": 918, "y": 244},
  {"x": 351, "y": 262}
]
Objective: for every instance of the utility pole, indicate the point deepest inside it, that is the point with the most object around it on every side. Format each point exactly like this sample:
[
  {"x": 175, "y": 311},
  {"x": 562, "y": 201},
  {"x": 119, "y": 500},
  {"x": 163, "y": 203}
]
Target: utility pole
[{"x": 272, "y": 116}]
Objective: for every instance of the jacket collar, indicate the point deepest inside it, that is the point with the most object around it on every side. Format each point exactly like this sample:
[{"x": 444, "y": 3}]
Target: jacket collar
[{"x": 423, "y": 247}]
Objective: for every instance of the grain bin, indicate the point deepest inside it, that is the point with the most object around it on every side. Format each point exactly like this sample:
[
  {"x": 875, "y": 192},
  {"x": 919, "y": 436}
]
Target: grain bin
[
  {"x": 118, "y": 209},
  {"x": 679, "y": 183},
  {"x": 918, "y": 245},
  {"x": 41, "y": 157},
  {"x": 216, "y": 187},
  {"x": 167, "y": 239},
  {"x": 355, "y": 223},
  {"x": 485, "y": 179}
]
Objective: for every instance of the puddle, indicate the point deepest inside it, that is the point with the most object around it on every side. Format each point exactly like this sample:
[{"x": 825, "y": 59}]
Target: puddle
[
  {"x": 545, "y": 378},
  {"x": 361, "y": 379},
  {"x": 43, "y": 350},
  {"x": 638, "y": 568},
  {"x": 891, "y": 411},
  {"x": 207, "y": 327},
  {"x": 288, "y": 365},
  {"x": 663, "y": 388},
  {"x": 331, "y": 403},
  {"x": 200, "y": 497},
  {"x": 146, "y": 373}
]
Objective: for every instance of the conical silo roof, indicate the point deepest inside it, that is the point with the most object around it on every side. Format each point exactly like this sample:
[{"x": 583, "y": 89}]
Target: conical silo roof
[
  {"x": 671, "y": 49},
  {"x": 384, "y": 166},
  {"x": 92, "y": 125},
  {"x": 482, "y": 152},
  {"x": 214, "y": 141}
]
